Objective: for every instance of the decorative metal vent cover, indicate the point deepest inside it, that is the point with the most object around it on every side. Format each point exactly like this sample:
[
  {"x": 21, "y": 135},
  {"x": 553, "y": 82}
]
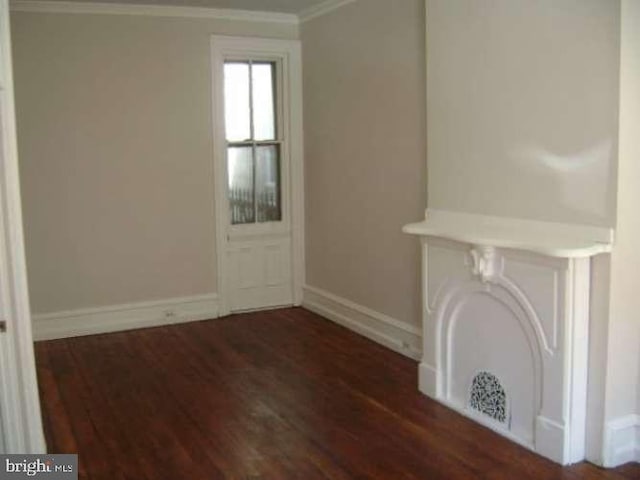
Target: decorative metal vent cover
[{"x": 488, "y": 396}]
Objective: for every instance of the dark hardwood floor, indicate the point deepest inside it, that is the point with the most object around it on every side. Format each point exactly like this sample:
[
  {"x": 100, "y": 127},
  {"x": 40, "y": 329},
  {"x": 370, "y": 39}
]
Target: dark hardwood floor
[{"x": 271, "y": 395}]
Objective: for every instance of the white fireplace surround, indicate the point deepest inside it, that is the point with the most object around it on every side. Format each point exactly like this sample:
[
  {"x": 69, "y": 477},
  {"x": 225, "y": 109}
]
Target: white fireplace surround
[{"x": 506, "y": 324}]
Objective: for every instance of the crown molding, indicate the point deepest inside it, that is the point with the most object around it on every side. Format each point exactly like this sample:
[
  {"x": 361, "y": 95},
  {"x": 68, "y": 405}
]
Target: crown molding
[
  {"x": 95, "y": 8},
  {"x": 322, "y": 9}
]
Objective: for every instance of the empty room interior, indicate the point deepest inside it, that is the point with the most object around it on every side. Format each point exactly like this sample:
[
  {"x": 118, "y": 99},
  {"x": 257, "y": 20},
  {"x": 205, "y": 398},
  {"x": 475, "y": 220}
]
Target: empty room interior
[{"x": 321, "y": 239}]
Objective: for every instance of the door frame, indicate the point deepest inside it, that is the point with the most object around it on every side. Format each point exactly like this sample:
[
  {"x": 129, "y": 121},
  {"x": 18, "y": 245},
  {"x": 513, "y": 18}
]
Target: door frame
[
  {"x": 288, "y": 52},
  {"x": 19, "y": 400}
]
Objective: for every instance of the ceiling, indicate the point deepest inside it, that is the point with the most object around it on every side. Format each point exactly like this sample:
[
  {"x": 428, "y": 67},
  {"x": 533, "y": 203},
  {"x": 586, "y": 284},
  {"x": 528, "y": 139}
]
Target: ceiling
[{"x": 282, "y": 6}]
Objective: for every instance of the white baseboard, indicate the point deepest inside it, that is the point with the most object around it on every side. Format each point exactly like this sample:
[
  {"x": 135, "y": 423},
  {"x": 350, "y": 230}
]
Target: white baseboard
[
  {"x": 387, "y": 331},
  {"x": 621, "y": 441},
  {"x": 549, "y": 438},
  {"x": 428, "y": 380},
  {"x": 114, "y": 318}
]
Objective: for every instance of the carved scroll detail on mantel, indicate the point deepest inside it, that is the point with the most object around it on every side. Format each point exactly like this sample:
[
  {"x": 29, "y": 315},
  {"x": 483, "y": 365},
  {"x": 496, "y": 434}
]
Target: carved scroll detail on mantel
[{"x": 485, "y": 262}]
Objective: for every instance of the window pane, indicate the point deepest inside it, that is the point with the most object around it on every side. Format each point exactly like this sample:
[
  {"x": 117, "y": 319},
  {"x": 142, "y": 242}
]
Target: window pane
[
  {"x": 240, "y": 170},
  {"x": 263, "y": 101},
  {"x": 236, "y": 101},
  {"x": 268, "y": 183}
]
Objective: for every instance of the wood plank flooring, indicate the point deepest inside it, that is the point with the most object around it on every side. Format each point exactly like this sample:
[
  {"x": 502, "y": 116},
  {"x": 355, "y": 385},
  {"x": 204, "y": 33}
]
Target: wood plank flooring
[{"x": 274, "y": 395}]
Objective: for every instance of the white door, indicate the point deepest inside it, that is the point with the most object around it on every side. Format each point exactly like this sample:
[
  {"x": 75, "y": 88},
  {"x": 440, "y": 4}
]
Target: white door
[
  {"x": 258, "y": 144},
  {"x": 21, "y": 425}
]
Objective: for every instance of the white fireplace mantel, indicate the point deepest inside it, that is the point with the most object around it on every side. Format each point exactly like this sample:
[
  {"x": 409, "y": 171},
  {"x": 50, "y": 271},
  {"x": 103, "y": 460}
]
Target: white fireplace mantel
[
  {"x": 506, "y": 324},
  {"x": 546, "y": 238}
]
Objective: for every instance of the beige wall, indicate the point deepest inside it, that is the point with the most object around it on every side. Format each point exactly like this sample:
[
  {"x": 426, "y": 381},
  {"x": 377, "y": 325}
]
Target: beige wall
[
  {"x": 114, "y": 128},
  {"x": 365, "y": 152},
  {"x": 522, "y": 108},
  {"x": 623, "y": 397}
]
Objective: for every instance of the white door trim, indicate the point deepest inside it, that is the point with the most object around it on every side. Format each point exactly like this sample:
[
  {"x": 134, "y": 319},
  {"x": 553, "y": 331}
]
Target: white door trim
[
  {"x": 20, "y": 403},
  {"x": 290, "y": 52}
]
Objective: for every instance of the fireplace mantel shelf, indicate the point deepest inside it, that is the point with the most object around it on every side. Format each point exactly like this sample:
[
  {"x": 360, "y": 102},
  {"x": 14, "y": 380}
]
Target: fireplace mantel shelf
[{"x": 546, "y": 238}]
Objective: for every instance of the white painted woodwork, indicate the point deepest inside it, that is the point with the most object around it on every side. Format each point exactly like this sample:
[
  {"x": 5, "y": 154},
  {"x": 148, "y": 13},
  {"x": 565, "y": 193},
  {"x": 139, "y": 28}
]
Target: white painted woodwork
[
  {"x": 261, "y": 265},
  {"x": 117, "y": 318},
  {"x": 259, "y": 273},
  {"x": 124, "y": 8},
  {"x": 547, "y": 238},
  {"x": 21, "y": 427},
  {"x": 621, "y": 443},
  {"x": 260, "y": 10},
  {"x": 322, "y": 8},
  {"x": 392, "y": 333},
  {"x": 511, "y": 298}
]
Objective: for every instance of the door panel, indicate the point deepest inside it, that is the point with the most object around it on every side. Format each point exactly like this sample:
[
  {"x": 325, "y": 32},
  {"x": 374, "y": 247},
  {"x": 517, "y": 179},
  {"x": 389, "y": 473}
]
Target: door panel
[
  {"x": 259, "y": 273},
  {"x": 276, "y": 265}
]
